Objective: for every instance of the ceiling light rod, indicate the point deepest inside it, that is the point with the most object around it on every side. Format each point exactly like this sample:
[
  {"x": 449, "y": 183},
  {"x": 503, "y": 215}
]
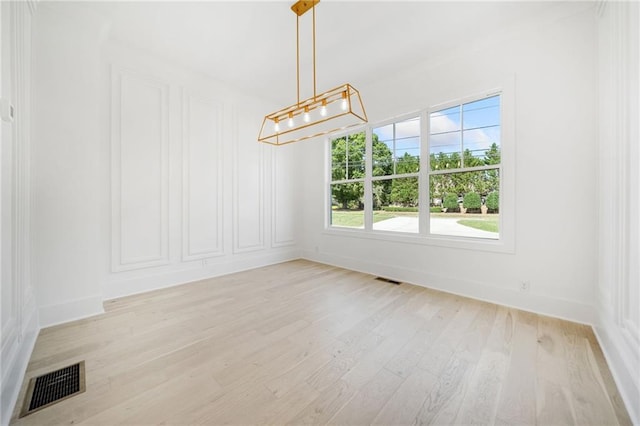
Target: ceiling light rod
[
  {"x": 333, "y": 110},
  {"x": 300, "y": 8}
]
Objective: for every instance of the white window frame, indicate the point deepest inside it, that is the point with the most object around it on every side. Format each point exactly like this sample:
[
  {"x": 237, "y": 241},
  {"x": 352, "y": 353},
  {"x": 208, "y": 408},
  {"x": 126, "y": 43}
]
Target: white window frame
[
  {"x": 371, "y": 178},
  {"x": 506, "y": 241},
  {"x": 329, "y": 175}
]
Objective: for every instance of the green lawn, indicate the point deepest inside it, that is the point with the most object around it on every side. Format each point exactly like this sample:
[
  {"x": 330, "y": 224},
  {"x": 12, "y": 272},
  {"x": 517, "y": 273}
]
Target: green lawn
[
  {"x": 355, "y": 218},
  {"x": 488, "y": 223}
]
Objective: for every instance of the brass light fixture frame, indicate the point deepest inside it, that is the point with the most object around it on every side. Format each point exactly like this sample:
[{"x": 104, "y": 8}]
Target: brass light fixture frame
[{"x": 327, "y": 117}]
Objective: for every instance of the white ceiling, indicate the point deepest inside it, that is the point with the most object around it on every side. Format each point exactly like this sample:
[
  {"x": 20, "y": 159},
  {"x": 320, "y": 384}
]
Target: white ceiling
[{"x": 251, "y": 45}]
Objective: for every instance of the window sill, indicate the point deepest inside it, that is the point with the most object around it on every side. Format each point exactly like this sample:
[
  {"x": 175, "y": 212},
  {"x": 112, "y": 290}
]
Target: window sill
[{"x": 464, "y": 243}]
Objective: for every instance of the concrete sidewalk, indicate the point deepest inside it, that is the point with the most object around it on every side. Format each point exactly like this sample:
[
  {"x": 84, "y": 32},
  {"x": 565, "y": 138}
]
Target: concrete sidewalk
[{"x": 439, "y": 225}]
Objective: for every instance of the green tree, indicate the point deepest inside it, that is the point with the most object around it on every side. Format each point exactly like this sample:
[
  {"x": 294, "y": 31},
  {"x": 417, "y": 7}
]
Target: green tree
[
  {"x": 493, "y": 201},
  {"x": 472, "y": 202},
  {"x": 451, "y": 202},
  {"x": 348, "y": 162},
  {"x": 347, "y": 157},
  {"x": 382, "y": 166},
  {"x": 470, "y": 160},
  {"x": 382, "y": 158},
  {"x": 407, "y": 164},
  {"x": 404, "y": 191},
  {"x": 492, "y": 155}
]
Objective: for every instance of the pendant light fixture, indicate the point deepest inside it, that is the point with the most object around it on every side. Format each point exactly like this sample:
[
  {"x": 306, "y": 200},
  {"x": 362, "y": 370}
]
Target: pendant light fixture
[{"x": 327, "y": 112}]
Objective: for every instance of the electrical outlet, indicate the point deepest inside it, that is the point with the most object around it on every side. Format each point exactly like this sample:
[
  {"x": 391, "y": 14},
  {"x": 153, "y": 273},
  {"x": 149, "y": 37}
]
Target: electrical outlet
[{"x": 525, "y": 286}]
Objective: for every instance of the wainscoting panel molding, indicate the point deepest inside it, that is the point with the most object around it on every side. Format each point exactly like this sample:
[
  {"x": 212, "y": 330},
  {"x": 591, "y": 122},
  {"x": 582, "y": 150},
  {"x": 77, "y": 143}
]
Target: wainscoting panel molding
[
  {"x": 283, "y": 207},
  {"x": 140, "y": 171},
  {"x": 618, "y": 296},
  {"x": 202, "y": 174},
  {"x": 248, "y": 189},
  {"x": 19, "y": 320}
]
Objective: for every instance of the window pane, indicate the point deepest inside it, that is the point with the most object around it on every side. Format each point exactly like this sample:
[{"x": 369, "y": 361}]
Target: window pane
[
  {"x": 481, "y": 134},
  {"x": 356, "y": 155},
  {"x": 395, "y": 205},
  {"x": 482, "y": 146},
  {"x": 408, "y": 129},
  {"x": 339, "y": 159},
  {"x": 445, "y": 139},
  {"x": 396, "y": 148},
  {"x": 385, "y": 133},
  {"x": 407, "y": 155},
  {"x": 348, "y": 157},
  {"x": 477, "y": 144},
  {"x": 347, "y": 208},
  {"x": 382, "y": 147},
  {"x": 482, "y": 113},
  {"x": 465, "y": 204},
  {"x": 445, "y": 151},
  {"x": 446, "y": 120}
]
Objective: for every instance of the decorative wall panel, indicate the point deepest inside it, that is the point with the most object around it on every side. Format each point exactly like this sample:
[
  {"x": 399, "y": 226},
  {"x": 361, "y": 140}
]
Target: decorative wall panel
[
  {"x": 618, "y": 297},
  {"x": 202, "y": 218},
  {"x": 282, "y": 197},
  {"x": 248, "y": 189},
  {"x": 140, "y": 171},
  {"x": 18, "y": 313}
]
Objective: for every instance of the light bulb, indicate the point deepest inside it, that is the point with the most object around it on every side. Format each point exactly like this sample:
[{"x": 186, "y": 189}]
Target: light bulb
[
  {"x": 344, "y": 103},
  {"x": 276, "y": 126},
  {"x": 323, "y": 108},
  {"x": 290, "y": 120},
  {"x": 306, "y": 117}
]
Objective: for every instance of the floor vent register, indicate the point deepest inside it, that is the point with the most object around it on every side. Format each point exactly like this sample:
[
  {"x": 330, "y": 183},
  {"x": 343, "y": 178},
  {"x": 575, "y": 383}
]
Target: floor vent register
[
  {"x": 388, "y": 280},
  {"x": 53, "y": 387}
]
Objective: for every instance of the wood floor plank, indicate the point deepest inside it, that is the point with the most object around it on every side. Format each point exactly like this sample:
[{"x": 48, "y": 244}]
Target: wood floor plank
[
  {"x": 553, "y": 395},
  {"x": 368, "y": 400},
  {"x": 306, "y": 343},
  {"x": 403, "y": 406},
  {"x": 607, "y": 378},
  {"x": 325, "y": 406},
  {"x": 441, "y": 350},
  {"x": 290, "y": 377},
  {"x": 415, "y": 350},
  {"x": 553, "y": 403},
  {"x": 481, "y": 399},
  {"x": 284, "y": 409},
  {"x": 518, "y": 396},
  {"x": 590, "y": 400}
]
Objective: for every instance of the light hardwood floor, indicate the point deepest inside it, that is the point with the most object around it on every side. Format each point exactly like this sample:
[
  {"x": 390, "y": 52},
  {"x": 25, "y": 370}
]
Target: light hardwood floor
[{"x": 301, "y": 342}]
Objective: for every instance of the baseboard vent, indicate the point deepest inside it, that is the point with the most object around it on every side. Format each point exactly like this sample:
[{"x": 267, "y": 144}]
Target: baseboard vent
[
  {"x": 388, "y": 280},
  {"x": 53, "y": 387}
]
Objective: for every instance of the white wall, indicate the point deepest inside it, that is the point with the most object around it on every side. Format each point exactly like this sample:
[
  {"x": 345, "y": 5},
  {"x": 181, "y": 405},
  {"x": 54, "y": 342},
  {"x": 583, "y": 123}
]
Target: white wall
[
  {"x": 19, "y": 319},
  {"x": 552, "y": 61},
  {"x": 618, "y": 296},
  {"x": 145, "y": 174}
]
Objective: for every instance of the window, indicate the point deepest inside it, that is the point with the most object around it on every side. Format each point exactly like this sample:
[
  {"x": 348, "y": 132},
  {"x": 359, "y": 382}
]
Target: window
[
  {"x": 431, "y": 176},
  {"x": 464, "y": 172},
  {"x": 347, "y": 180},
  {"x": 395, "y": 173}
]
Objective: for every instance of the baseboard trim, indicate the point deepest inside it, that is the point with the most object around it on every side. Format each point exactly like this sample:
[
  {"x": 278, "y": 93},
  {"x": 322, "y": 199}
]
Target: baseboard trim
[
  {"x": 15, "y": 365},
  {"x": 70, "y": 311},
  {"x": 620, "y": 361},
  {"x": 558, "y": 308},
  {"x": 121, "y": 286}
]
